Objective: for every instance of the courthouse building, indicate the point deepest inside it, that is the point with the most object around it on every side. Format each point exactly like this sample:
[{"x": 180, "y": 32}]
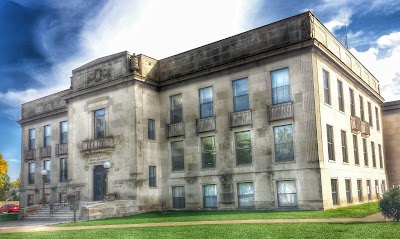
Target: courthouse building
[{"x": 281, "y": 116}]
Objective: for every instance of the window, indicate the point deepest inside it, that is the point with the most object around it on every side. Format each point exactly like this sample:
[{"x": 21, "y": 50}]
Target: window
[
  {"x": 63, "y": 132},
  {"x": 369, "y": 189},
  {"x": 208, "y": 152},
  {"x": 176, "y": 109},
  {"x": 349, "y": 197},
  {"x": 383, "y": 186},
  {"x": 32, "y": 137},
  {"x": 352, "y": 105},
  {"x": 99, "y": 124},
  {"x": 31, "y": 199},
  {"x": 151, "y": 129},
  {"x": 46, "y": 166},
  {"x": 335, "y": 196},
  {"x": 240, "y": 95},
  {"x": 283, "y": 137},
  {"x": 31, "y": 173},
  {"x": 47, "y": 135},
  {"x": 243, "y": 147},
  {"x": 355, "y": 146},
  {"x": 331, "y": 146},
  {"x": 373, "y": 154},
  {"x": 370, "y": 115},
  {"x": 63, "y": 169},
  {"x": 210, "y": 196},
  {"x": 47, "y": 197},
  {"x": 177, "y": 156},
  {"x": 362, "y": 108},
  {"x": 62, "y": 198},
  {"x": 359, "y": 190},
  {"x": 245, "y": 195},
  {"x": 365, "y": 152},
  {"x": 380, "y": 156},
  {"x": 344, "y": 147},
  {"x": 327, "y": 92},
  {"x": 377, "y": 189},
  {"x": 178, "y": 197},
  {"x": 152, "y": 176},
  {"x": 287, "y": 193},
  {"x": 206, "y": 102},
  {"x": 378, "y": 126},
  {"x": 340, "y": 95},
  {"x": 280, "y": 86}
]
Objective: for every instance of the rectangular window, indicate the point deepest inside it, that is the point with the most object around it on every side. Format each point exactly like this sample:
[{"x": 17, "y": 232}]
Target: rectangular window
[
  {"x": 32, "y": 137},
  {"x": 331, "y": 146},
  {"x": 344, "y": 147},
  {"x": 365, "y": 150},
  {"x": 63, "y": 132},
  {"x": 335, "y": 196},
  {"x": 287, "y": 193},
  {"x": 359, "y": 190},
  {"x": 100, "y": 124},
  {"x": 152, "y": 176},
  {"x": 283, "y": 139},
  {"x": 206, "y": 102},
  {"x": 243, "y": 147},
  {"x": 369, "y": 189},
  {"x": 352, "y": 105},
  {"x": 280, "y": 86},
  {"x": 240, "y": 95},
  {"x": 46, "y": 166},
  {"x": 177, "y": 156},
  {"x": 31, "y": 173},
  {"x": 327, "y": 91},
  {"x": 378, "y": 126},
  {"x": 340, "y": 95},
  {"x": 210, "y": 196},
  {"x": 349, "y": 197},
  {"x": 370, "y": 114},
  {"x": 245, "y": 195},
  {"x": 373, "y": 154},
  {"x": 62, "y": 198},
  {"x": 178, "y": 197},
  {"x": 63, "y": 169},
  {"x": 208, "y": 152},
  {"x": 355, "y": 147},
  {"x": 47, "y": 135},
  {"x": 362, "y": 108},
  {"x": 377, "y": 189},
  {"x": 383, "y": 187},
  {"x": 380, "y": 156},
  {"x": 151, "y": 129},
  {"x": 176, "y": 109},
  {"x": 31, "y": 200}
]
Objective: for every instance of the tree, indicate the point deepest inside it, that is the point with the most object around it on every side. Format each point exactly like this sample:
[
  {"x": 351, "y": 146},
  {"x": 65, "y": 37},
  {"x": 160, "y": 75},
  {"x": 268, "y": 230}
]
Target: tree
[
  {"x": 390, "y": 204},
  {"x": 4, "y": 179},
  {"x": 16, "y": 183}
]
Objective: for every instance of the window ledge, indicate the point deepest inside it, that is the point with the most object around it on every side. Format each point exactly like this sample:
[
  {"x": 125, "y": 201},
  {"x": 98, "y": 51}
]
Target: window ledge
[
  {"x": 345, "y": 163},
  {"x": 206, "y": 169},
  {"x": 283, "y": 162},
  {"x": 244, "y": 165},
  {"x": 332, "y": 161}
]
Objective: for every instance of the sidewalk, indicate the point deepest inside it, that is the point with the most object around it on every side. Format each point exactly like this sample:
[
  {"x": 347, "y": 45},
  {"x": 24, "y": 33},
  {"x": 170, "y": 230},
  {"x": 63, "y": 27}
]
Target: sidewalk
[{"x": 20, "y": 226}]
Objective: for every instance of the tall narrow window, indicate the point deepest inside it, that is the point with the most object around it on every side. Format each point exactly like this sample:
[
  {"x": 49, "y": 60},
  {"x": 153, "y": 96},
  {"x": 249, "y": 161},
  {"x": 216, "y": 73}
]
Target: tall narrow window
[
  {"x": 47, "y": 136},
  {"x": 344, "y": 147},
  {"x": 31, "y": 200},
  {"x": 365, "y": 150},
  {"x": 245, "y": 195},
  {"x": 151, "y": 129},
  {"x": 377, "y": 189},
  {"x": 355, "y": 148},
  {"x": 362, "y": 108},
  {"x": 370, "y": 115},
  {"x": 331, "y": 146},
  {"x": 359, "y": 190},
  {"x": 177, "y": 156},
  {"x": 383, "y": 186},
  {"x": 63, "y": 132},
  {"x": 99, "y": 124},
  {"x": 46, "y": 166},
  {"x": 208, "y": 152},
  {"x": 327, "y": 91},
  {"x": 380, "y": 156},
  {"x": 335, "y": 196},
  {"x": 176, "y": 109},
  {"x": 241, "y": 95},
  {"x": 287, "y": 193},
  {"x": 178, "y": 197},
  {"x": 32, "y": 137},
  {"x": 63, "y": 169},
  {"x": 206, "y": 102},
  {"x": 378, "y": 126},
  {"x": 352, "y": 105},
  {"x": 31, "y": 173},
  {"x": 340, "y": 95},
  {"x": 152, "y": 176},
  {"x": 283, "y": 137},
  {"x": 369, "y": 189},
  {"x": 373, "y": 154},
  {"x": 243, "y": 147},
  {"x": 280, "y": 86},
  {"x": 349, "y": 197},
  {"x": 210, "y": 196}
]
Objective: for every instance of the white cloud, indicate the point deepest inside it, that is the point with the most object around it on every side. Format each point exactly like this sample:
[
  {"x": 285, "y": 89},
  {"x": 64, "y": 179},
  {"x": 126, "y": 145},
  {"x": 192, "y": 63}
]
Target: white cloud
[
  {"x": 339, "y": 20},
  {"x": 391, "y": 40}
]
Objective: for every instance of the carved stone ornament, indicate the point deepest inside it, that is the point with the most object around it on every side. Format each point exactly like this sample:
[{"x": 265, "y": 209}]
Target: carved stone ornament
[{"x": 98, "y": 75}]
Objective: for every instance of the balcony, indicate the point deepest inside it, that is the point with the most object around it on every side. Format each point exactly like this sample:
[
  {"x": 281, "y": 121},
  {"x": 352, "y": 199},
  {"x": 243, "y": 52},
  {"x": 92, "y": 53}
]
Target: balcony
[
  {"x": 103, "y": 144},
  {"x": 45, "y": 152},
  {"x": 174, "y": 130},
  {"x": 205, "y": 125},
  {"x": 365, "y": 129},
  {"x": 355, "y": 123},
  {"x": 280, "y": 111},
  {"x": 30, "y": 154},
  {"x": 61, "y": 149},
  {"x": 240, "y": 118}
]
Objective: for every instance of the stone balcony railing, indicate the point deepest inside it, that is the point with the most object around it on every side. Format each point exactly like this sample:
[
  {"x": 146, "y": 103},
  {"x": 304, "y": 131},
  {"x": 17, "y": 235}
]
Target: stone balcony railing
[
  {"x": 175, "y": 130},
  {"x": 30, "y": 154},
  {"x": 45, "y": 152},
  {"x": 98, "y": 144},
  {"x": 280, "y": 111},
  {"x": 205, "y": 125},
  {"x": 61, "y": 149},
  {"x": 240, "y": 118},
  {"x": 355, "y": 123},
  {"x": 365, "y": 130}
]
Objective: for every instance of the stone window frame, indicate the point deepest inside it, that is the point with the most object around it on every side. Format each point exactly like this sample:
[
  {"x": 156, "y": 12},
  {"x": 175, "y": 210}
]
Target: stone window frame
[
  {"x": 293, "y": 145},
  {"x": 214, "y": 166},
  {"x": 348, "y": 189},
  {"x": 48, "y": 175},
  {"x": 335, "y": 191},
  {"x": 63, "y": 170},
  {"x": 63, "y": 135},
  {"x": 378, "y": 125},
  {"x": 235, "y": 147},
  {"x": 234, "y": 96},
  {"x": 286, "y": 86},
  {"x": 47, "y": 138},
  {"x": 207, "y": 198},
  {"x": 341, "y": 103},
  {"x": 278, "y": 193},
  {"x": 326, "y": 86},
  {"x": 32, "y": 142},
  {"x": 362, "y": 112},
  {"x": 171, "y": 155},
  {"x": 151, "y": 132},
  {"x": 211, "y": 102},
  {"x": 373, "y": 154},
  {"x": 360, "y": 190},
  {"x": 152, "y": 176},
  {"x": 31, "y": 174},
  {"x": 352, "y": 102},
  {"x": 250, "y": 195},
  {"x": 182, "y": 198},
  {"x": 356, "y": 150},
  {"x": 365, "y": 153},
  {"x": 330, "y": 143},
  {"x": 97, "y": 104},
  {"x": 171, "y": 118},
  {"x": 344, "y": 146},
  {"x": 370, "y": 116}
]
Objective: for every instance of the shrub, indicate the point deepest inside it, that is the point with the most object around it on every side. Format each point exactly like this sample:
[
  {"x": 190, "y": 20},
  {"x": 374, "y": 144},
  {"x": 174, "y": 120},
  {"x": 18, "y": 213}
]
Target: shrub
[{"x": 390, "y": 204}]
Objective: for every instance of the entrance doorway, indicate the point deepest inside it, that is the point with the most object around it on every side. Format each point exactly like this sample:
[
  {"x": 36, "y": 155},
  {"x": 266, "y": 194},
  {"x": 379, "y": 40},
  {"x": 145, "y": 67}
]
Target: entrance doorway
[{"x": 99, "y": 183}]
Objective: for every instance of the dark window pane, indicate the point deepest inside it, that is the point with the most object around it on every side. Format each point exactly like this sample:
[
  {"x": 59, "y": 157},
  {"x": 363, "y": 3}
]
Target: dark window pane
[
  {"x": 208, "y": 152},
  {"x": 331, "y": 146},
  {"x": 99, "y": 124},
  {"x": 283, "y": 137},
  {"x": 340, "y": 95},
  {"x": 366, "y": 163},
  {"x": 240, "y": 95},
  {"x": 287, "y": 193},
  {"x": 280, "y": 86},
  {"x": 177, "y": 154},
  {"x": 63, "y": 132},
  {"x": 362, "y": 108},
  {"x": 63, "y": 169},
  {"x": 46, "y": 166},
  {"x": 178, "y": 197},
  {"x": 352, "y": 105},
  {"x": 206, "y": 102},
  {"x": 151, "y": 130},
  {"x": 31, "y": 173},
  {"x": 348, "y": 191},
  {"x": 355, "y": 145},
  {"x": 152, "y": 176},
  {"x": 176, "y": 109},
  {"x": 47, "y": 135},
  {"x": 243, "y": 147},
  {"x": 245, "y": 195},
  {"x": 327, "y": 92},
  {"x": 344, "y": 147},
  {"x": 210, "y": 196},
  {"x": 334, "y": 186},
  {"x": 359, "y": 190},
  {"x": 32, "y": 137}
]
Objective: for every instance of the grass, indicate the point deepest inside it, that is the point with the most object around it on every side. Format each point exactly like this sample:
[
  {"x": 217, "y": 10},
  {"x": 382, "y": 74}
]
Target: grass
[
  {"x": 8, "y": 217},
  {"x": 296, "y": 230},
  {"x": 356, "y": 211}
]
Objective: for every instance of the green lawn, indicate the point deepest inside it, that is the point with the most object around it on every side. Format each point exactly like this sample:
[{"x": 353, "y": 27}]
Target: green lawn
[
  {"x": 295, "y": 230},
  {"x": 8, "y": 217},
  {"x": 357, "y": 211}
]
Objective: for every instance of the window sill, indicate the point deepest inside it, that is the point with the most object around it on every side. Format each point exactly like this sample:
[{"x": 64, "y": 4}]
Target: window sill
[
  {"x": 244, "y": 165},
  {"x": 283, "y": 162},
  {"x": 326, "y": 104},
  {"x": 345, "y": 163},
  {"x": 357, "y": 165},
  {"x": 206, "y": 169},
  {"x": 341, "y": 111},
  {"x": 331, "y": 161}
]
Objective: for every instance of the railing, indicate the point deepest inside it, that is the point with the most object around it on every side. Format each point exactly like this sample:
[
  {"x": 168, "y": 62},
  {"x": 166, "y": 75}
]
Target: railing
[
  {"x": 45, "y": 152},
  {"x": 205, "y": 125},
  {"x": 355, "y": 123},
  {"x": 280, "y": 111},
  {"x": 98, "y": 144},
  {"x": 30, "y": 154},
  {"x": 240, "y": 118},
  {"x": 174, "y": 130},
  {"x": 365, "y": 129},
  {"x": 61, "y": 149}
]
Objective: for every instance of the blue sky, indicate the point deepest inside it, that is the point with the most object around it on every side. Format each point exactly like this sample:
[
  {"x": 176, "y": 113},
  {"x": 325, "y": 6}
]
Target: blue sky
[{"x": 42, "y": 41}]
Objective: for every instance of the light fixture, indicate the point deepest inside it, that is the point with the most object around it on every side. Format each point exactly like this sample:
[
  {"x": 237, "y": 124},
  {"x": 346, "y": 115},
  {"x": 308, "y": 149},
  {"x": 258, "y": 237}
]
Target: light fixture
[
  {"x": 43, "y": 172},
  {"x": 107, "y": 165}
]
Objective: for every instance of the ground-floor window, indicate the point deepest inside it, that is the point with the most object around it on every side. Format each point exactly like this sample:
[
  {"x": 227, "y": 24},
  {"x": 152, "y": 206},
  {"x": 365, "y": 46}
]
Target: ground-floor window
[
  {"x": 178, "y": 197},
  {"x": 245, "y": 195},
  {"x": 377, "y": 189},
  {"x": 383, "y": 187},
  {"x": 348, "y": 191},
  {"x": 369, "y": 189},
  {"x": 287, "y": 193},
  {"x": 210, "y": 196},
  {"x": 63, "y": 198},
  {"x": 359, "y": 190},
  {"x": 335, "y": 197},
  {"x": 31, "y": 200}
]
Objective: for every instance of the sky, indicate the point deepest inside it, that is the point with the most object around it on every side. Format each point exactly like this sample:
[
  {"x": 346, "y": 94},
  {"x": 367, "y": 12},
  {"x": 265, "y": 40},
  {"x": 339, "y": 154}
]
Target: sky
[{"x": 42, "y": 41}]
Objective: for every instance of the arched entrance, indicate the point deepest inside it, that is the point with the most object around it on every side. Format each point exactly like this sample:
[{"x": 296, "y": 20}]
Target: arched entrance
[{"x": 99, "y": 183}]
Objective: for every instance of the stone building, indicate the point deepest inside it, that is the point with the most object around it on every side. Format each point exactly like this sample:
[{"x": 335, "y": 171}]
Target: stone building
[{"x": 282, "y": 116}]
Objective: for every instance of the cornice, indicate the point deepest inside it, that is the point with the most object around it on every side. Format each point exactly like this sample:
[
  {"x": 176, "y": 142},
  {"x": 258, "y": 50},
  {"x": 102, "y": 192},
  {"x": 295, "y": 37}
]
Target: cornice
[{"x": 44, "y": 115}]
